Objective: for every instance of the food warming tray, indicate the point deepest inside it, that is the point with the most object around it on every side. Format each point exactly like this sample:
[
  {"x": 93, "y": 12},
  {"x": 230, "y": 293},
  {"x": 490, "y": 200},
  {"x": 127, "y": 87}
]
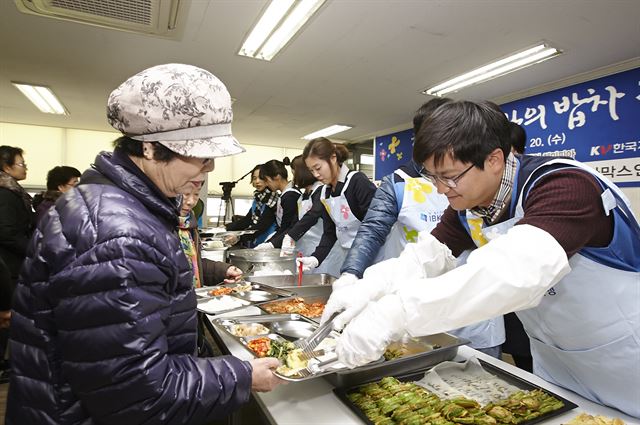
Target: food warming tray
[
  {"x": 421, "y": 353},
  {"x": 310, "y": 294},
  {"x": 255, "y": 294},
  {"x": 281, "y": 328},
  {"x": 289, "y": 281},
  {"x": 342, "y": 393}
]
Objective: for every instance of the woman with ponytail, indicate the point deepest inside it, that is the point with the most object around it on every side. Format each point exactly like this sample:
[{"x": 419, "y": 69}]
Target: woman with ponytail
[
  {"x": 276, "y": 178},
  {"x": 344, "y": 199}
]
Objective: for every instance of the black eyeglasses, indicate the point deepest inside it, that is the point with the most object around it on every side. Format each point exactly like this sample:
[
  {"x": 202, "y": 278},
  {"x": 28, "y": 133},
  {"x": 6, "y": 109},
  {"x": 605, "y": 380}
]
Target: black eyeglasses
[{"x": 451, "y": 182}]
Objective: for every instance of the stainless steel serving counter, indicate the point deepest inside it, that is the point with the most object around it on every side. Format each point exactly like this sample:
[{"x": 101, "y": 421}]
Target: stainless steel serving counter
[{"x": 313, "y": 402}]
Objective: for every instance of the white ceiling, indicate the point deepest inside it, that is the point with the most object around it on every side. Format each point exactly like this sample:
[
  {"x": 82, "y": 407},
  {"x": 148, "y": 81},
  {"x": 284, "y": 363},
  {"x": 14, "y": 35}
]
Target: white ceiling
[{"x": 361, "y": 63}]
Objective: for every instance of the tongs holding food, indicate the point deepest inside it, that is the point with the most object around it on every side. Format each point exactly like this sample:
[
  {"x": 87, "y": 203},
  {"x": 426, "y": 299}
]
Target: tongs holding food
[{"x": 308, "y": 344}]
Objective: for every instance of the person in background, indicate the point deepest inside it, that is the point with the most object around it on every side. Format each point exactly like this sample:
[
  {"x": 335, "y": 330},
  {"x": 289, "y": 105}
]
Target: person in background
[
  {"x": 205, "y": 272},
  {"x": 104, "y": 313},
  {"x": 6, "y": 292},
  {"x": 405, "y": 204},
  {"x": 310, "y": 240},
  {"x": 556, "y": 242},
  {"x": 275, "y": 176},
  {"x": 260, "y": 217},
  {"x": 518, "y": 138},
  {"x": 517, "y": 342},
  {"x": 59, "y": 180},
  {"x": 346, "y": 196},
  {"x": 16, "y": 225}
]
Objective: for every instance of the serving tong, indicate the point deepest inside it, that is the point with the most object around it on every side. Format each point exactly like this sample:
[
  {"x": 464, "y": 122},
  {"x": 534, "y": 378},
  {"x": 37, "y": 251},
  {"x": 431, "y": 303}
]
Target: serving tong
[
  {"x": 308, "y": 344},
  {"x": 315, "y": 368}
]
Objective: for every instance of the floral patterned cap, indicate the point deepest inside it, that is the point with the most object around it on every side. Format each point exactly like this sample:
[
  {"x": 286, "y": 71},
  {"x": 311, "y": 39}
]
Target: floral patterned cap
[{"x": 183, "y": 107}]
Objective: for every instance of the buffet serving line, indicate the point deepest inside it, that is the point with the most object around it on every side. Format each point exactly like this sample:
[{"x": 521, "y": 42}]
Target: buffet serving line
[{"x": 331, "y": 396}]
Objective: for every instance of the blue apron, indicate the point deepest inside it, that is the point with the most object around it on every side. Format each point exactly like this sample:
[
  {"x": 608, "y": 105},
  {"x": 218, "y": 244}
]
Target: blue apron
[{"x": 585, "y": 333}]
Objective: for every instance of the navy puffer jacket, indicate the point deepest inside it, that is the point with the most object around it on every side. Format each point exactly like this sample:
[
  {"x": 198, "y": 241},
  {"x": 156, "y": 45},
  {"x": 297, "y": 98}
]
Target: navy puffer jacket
[{"x": 104, "y": 322}]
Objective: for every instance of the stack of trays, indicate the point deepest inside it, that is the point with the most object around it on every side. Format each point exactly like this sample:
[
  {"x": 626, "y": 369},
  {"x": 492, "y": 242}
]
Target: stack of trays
[{"x": 228, "y": 297}]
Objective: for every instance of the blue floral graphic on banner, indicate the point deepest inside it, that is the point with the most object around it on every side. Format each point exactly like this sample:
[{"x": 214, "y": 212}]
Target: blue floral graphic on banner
[{"x": 392, "y": 151}]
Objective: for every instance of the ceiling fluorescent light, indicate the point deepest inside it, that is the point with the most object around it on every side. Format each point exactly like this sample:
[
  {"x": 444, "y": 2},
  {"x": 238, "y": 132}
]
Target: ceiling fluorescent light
[
  {"x": 334, "y": 129},
  {"x": 270, "y": 18},
  {"x": 42, "y": 97},
  {"x": 495, "y": 69},
  {"x": 277, "y": 26}
]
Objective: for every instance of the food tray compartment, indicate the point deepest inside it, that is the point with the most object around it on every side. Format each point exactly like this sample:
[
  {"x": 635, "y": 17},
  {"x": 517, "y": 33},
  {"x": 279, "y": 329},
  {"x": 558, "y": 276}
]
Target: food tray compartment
[
  {"x": 248, "y": 291},
  {"x": 220, "y": 304},
  {"x": 281, "y": 328},
  {"x": 310, "y": 295},
  {"x": 435, "y": 349},
  {"x": 342, "y": 393},
  {"x": 291, "y": 282}
]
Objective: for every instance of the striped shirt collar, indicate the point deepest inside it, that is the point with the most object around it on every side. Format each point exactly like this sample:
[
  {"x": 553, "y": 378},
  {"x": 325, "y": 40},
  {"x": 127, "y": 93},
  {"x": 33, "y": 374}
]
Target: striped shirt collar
[{"x": 491, "y": 213}]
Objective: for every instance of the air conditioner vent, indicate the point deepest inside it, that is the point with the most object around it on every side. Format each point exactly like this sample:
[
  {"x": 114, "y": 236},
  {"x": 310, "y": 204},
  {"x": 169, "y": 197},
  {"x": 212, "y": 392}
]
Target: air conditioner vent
[
  {"x": 136, "y": 11},
  {"x": 164, "y": 18}
]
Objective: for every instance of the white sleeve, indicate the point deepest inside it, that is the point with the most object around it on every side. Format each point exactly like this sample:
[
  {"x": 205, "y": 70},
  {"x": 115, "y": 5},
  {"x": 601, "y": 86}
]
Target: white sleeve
[
  {"x": 510, "y": 273},
  {"x": 426, "y": 258}
]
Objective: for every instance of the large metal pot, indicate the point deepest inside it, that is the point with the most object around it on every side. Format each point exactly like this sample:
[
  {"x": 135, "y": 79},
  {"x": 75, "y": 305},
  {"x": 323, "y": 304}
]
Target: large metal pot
[{"x": 263, "y": 260}]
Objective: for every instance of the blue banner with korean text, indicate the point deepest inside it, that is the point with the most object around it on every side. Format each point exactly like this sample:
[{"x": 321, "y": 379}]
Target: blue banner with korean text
[
  {"x": 596, "y": 122},
  {"x": 392, "y": 151}
]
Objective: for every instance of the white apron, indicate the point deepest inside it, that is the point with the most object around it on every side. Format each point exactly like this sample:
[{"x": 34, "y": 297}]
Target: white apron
[
  {"x": 279, "y": 210},
  {"x": 308, "y": 243},
  {"x": 585, "y": 333},
  {"x": 338, "y": 208},
  {"x": 420, "y": 207}
]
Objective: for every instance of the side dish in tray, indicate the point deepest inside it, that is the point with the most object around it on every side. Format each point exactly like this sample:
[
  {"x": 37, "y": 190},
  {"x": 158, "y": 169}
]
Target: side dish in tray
[
  {"x": 390, "y": 401},
  {"x": 296, "y": 305}
]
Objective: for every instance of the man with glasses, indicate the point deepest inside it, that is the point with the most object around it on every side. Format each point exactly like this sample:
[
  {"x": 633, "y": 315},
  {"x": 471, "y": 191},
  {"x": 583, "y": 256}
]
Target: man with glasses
[{"x": 552, "y": 240}]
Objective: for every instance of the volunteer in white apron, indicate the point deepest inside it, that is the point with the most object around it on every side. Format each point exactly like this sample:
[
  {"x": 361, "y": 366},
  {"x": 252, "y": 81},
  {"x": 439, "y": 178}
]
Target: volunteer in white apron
[
  {"x": 346, "y": 196},
  {"x": 558, "y": 244},
  {"x": 275, "y": 175}
]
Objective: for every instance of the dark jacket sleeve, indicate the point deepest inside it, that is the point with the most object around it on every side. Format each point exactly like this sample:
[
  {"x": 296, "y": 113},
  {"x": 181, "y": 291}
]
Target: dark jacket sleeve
[
  {"x": 309, "y": 219},
  {"x": 12, "y": 230},
  {"x": 328, "y": 238},
  {"x": 267, "y": 218},
  {"x": 289, "y": 203},
  {"x": 241, "y": 224},
  {"x": 372, "y": 234},
  {"x": 359, "y": 194},
  {"x": 213, "y": 272},
  {"x": 123, "y": 343}
]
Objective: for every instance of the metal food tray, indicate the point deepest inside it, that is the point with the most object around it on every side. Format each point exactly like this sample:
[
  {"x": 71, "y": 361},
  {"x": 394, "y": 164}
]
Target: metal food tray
[
  {"x": 510, "y": 378},
  {"x": 281, "y": 327},
  {"x": 416, "y": 360},
  {"x": 290, "y": 281},
  {"x": 310, "y": 294},
  {"x": 259, "y": 293}
]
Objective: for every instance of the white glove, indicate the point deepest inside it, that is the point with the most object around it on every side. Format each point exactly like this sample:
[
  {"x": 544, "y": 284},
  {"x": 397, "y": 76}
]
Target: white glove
[
  {"x": 368, "y": 335},
  {"x": 339, "y": 303},
  {"x": 288, "y": 246},
  {"x": 352, "y": 299},
  {"x": 308, "y": 263},
  {"x": 510, "y": 273},
  {"x": 263, "y": 246},
  {"x": 427, "y": 257}
]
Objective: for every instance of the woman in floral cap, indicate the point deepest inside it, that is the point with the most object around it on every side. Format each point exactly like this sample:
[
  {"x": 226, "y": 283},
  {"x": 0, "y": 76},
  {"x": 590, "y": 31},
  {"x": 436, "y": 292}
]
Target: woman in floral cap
[{"x": 105, "y": 311}]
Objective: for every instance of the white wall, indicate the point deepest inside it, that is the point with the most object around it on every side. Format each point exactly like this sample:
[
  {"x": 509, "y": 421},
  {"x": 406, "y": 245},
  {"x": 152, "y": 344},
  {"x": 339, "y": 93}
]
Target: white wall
[{"x": 47, "y": 147}]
